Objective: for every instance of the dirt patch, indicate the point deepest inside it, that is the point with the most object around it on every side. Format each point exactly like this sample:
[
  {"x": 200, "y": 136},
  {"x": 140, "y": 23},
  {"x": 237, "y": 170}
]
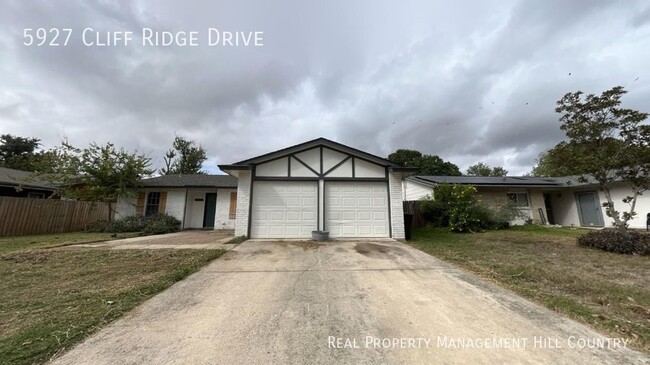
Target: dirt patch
[
  {"x": 305, "y": 245},
  {"x": 32, "y": 257},
  {"x": 260, "y": 252},
  {"x": 373, "y": 249}
]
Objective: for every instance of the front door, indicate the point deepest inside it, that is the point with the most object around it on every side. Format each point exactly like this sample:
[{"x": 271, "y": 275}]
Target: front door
[
  {"x": 589, "y": 209},
  {"x": 209, "y": 210},
  {"x": 549, "y": 208}
]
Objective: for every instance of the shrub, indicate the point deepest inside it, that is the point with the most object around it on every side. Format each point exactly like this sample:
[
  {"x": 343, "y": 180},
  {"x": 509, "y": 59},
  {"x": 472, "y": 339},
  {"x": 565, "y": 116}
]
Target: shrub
[
  {"x": 154, "y": 224},
  {"x": 98, "y": 226},
  {"x": 161, "y": 223},
  {"x": 435, "y": 212},
  {"x": 629, "y": 243},
  {"x": 456, "y": 207},
  {"x": 131, "y": 223}
]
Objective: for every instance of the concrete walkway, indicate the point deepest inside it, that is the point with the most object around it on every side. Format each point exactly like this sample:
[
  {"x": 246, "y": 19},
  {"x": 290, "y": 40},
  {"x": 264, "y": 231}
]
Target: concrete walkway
[
  {"x": 195, "y": 239},
  {"x": 342, "y": 302}
]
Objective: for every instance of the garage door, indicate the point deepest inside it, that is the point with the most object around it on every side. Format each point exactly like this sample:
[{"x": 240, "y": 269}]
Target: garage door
[
  {"x": 356, "y": 209},
  {"x": 283, "y": 209}
]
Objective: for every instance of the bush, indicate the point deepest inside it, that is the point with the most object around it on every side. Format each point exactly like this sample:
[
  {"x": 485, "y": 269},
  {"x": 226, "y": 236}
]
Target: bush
[
  {"x": 162, "y": 223},
  {"x": 131, "y": 223},
  {"x": 154, "y": 224},
  {"x": 98, "y": 226},
  {"x": 629, "y": 243},
  {"x": 435, "y": 212},
  {"x": 456, "y": 207}
]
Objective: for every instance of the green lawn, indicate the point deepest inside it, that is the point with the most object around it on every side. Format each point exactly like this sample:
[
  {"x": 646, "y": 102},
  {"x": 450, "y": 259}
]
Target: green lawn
[
  {"x": 8, "y": 244},
  {"x": 608, "y": 291},
  {"x": 53, "y": 298}
]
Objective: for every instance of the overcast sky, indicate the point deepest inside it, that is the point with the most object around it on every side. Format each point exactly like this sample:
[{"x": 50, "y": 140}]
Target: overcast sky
[{"x": 468, "y": 81}]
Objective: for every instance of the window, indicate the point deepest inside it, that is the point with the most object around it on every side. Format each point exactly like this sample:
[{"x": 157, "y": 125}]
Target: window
[
  {"x": 232, "y": 213},
  {"x": 520, "y": 199},
  {"x": 36, "y": 195},
  {"x": 153, "y": 204}
]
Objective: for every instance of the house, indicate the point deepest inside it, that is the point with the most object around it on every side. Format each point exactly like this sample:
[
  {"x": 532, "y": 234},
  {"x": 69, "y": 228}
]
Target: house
[
  {"x": 198, "y": 201},
  {"x": 18, "y": 183},
  {"x": 319, "y": 185},
  {"x": 558, "y": 200}
]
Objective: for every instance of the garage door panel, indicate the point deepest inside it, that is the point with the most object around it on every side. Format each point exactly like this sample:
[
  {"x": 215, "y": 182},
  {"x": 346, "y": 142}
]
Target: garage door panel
[
  {"x": 364, "y": 216},
  {"x": 356, "y": 209},
  {"x": 364, "y": 202},
  {"x": 284, "y": 209},
  {"x": 380, "y": 216},
  {"x": 309, "y": 216}
]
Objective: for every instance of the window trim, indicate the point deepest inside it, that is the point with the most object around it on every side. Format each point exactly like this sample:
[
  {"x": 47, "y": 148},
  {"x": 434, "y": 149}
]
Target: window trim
[
  {"x": 516, "y": 200},
  {"x": 149, "y": 205},
  {"x": 34, "y": 195},
  {"x": 232, "y": 209}
]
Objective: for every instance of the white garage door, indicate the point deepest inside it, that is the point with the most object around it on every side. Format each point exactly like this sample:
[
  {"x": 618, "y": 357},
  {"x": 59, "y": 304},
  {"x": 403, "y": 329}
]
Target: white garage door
[
  {"x": 283, "y": 209},
  {"x": 356, "y": 209}
]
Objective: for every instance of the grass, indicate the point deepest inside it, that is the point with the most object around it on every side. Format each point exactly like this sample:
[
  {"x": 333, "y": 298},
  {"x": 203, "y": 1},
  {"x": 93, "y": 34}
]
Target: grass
[
  {"x": 53, "y": 298},
  {"x": 9, "y": 244},
  {"x": 237, "y": 240},
  {"x": 608, "y": 291}
]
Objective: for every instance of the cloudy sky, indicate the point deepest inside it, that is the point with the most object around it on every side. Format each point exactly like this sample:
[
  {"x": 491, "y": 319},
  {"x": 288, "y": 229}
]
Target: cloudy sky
[{"x": 468, "y": 81}]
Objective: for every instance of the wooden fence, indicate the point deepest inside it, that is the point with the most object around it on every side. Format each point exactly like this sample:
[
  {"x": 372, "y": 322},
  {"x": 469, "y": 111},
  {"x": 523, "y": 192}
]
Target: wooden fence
[
  {"x": 413, "y": 207},
  {"x": 24, "y": 216}
]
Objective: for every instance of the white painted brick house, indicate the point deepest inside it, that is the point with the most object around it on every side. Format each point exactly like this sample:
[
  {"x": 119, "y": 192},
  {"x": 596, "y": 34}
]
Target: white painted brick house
[
  {"x": 319, "y": 185},
  {"x": 198, "y": 201}
]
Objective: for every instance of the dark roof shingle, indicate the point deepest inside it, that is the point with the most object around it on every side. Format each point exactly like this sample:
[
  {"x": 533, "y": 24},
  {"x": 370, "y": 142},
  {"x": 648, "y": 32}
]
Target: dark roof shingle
[
  {"x": 14, "y": 177},
  {"x": 489, "y": 180},
  {"x": 191, "y": 181}
]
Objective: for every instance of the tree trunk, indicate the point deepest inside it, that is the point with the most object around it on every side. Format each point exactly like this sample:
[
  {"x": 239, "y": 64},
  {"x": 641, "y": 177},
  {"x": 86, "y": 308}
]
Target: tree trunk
[
  {"x": 110, "y": 211},
  {"x": 611, "y": 211}
]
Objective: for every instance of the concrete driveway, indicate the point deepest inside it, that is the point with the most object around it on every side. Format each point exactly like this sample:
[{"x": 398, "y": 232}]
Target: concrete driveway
[{"x": 341, "y": 302}]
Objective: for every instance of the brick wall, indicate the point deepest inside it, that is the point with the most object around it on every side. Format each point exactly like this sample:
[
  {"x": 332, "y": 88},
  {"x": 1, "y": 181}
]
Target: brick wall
[
  {"x": 222, "y": 219},
  {"x": 396, "y": 206},
  {"x": 243, "y": 202}
]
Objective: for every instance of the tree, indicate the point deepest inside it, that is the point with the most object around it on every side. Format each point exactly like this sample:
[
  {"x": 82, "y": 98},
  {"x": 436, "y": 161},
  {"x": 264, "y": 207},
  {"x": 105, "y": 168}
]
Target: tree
[
  {"x": 483, "y": 169},
  {"x": 185, "y": 157},
  {"x": 426, "y": 164},
  {"x": 606, "y": 144},
  {"x": 97, "y": 173},
  {"x": 18, "y": 152}
]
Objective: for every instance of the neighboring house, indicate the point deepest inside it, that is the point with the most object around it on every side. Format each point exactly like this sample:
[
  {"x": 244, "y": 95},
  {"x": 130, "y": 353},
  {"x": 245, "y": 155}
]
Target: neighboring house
[
  {"x": 319, "y": 185},
  {"x": 198, "y": 201},
  {"x": 18, "y": 183},
  {"x": 556, "y": 200}
]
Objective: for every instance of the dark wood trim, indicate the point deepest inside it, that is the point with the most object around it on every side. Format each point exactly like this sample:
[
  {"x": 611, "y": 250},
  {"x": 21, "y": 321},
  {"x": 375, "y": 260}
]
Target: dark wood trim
[
  {"x": 250, "y": 206},
  {"x": 337, "y": 165},
  {"x": 307, "y": 166},
  {"x": 350, "y": 154},
  {"x": 324, "y": 204},
  {"x": 318, "y": 205},
  {"x": 281, "y": 178},
  {"x": 321, "y": 160},
  {"x": 254, "y": 169},
  {"x": 359, "y": 179},
  {"x": 353, "y": 168}
]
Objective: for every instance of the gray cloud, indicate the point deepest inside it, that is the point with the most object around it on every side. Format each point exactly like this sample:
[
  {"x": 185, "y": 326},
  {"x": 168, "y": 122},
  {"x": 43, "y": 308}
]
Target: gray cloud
[{"x": 469, "y": 81}]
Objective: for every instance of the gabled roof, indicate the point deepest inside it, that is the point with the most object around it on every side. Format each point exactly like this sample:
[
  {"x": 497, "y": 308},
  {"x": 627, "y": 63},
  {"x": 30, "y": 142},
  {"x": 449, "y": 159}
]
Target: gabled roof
[
  {"x": 12, "y": 177},
  {"x": 514, "y": 181},
  {"x": 246, "y": 164},
  {"x": 191, "y": 181}
]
